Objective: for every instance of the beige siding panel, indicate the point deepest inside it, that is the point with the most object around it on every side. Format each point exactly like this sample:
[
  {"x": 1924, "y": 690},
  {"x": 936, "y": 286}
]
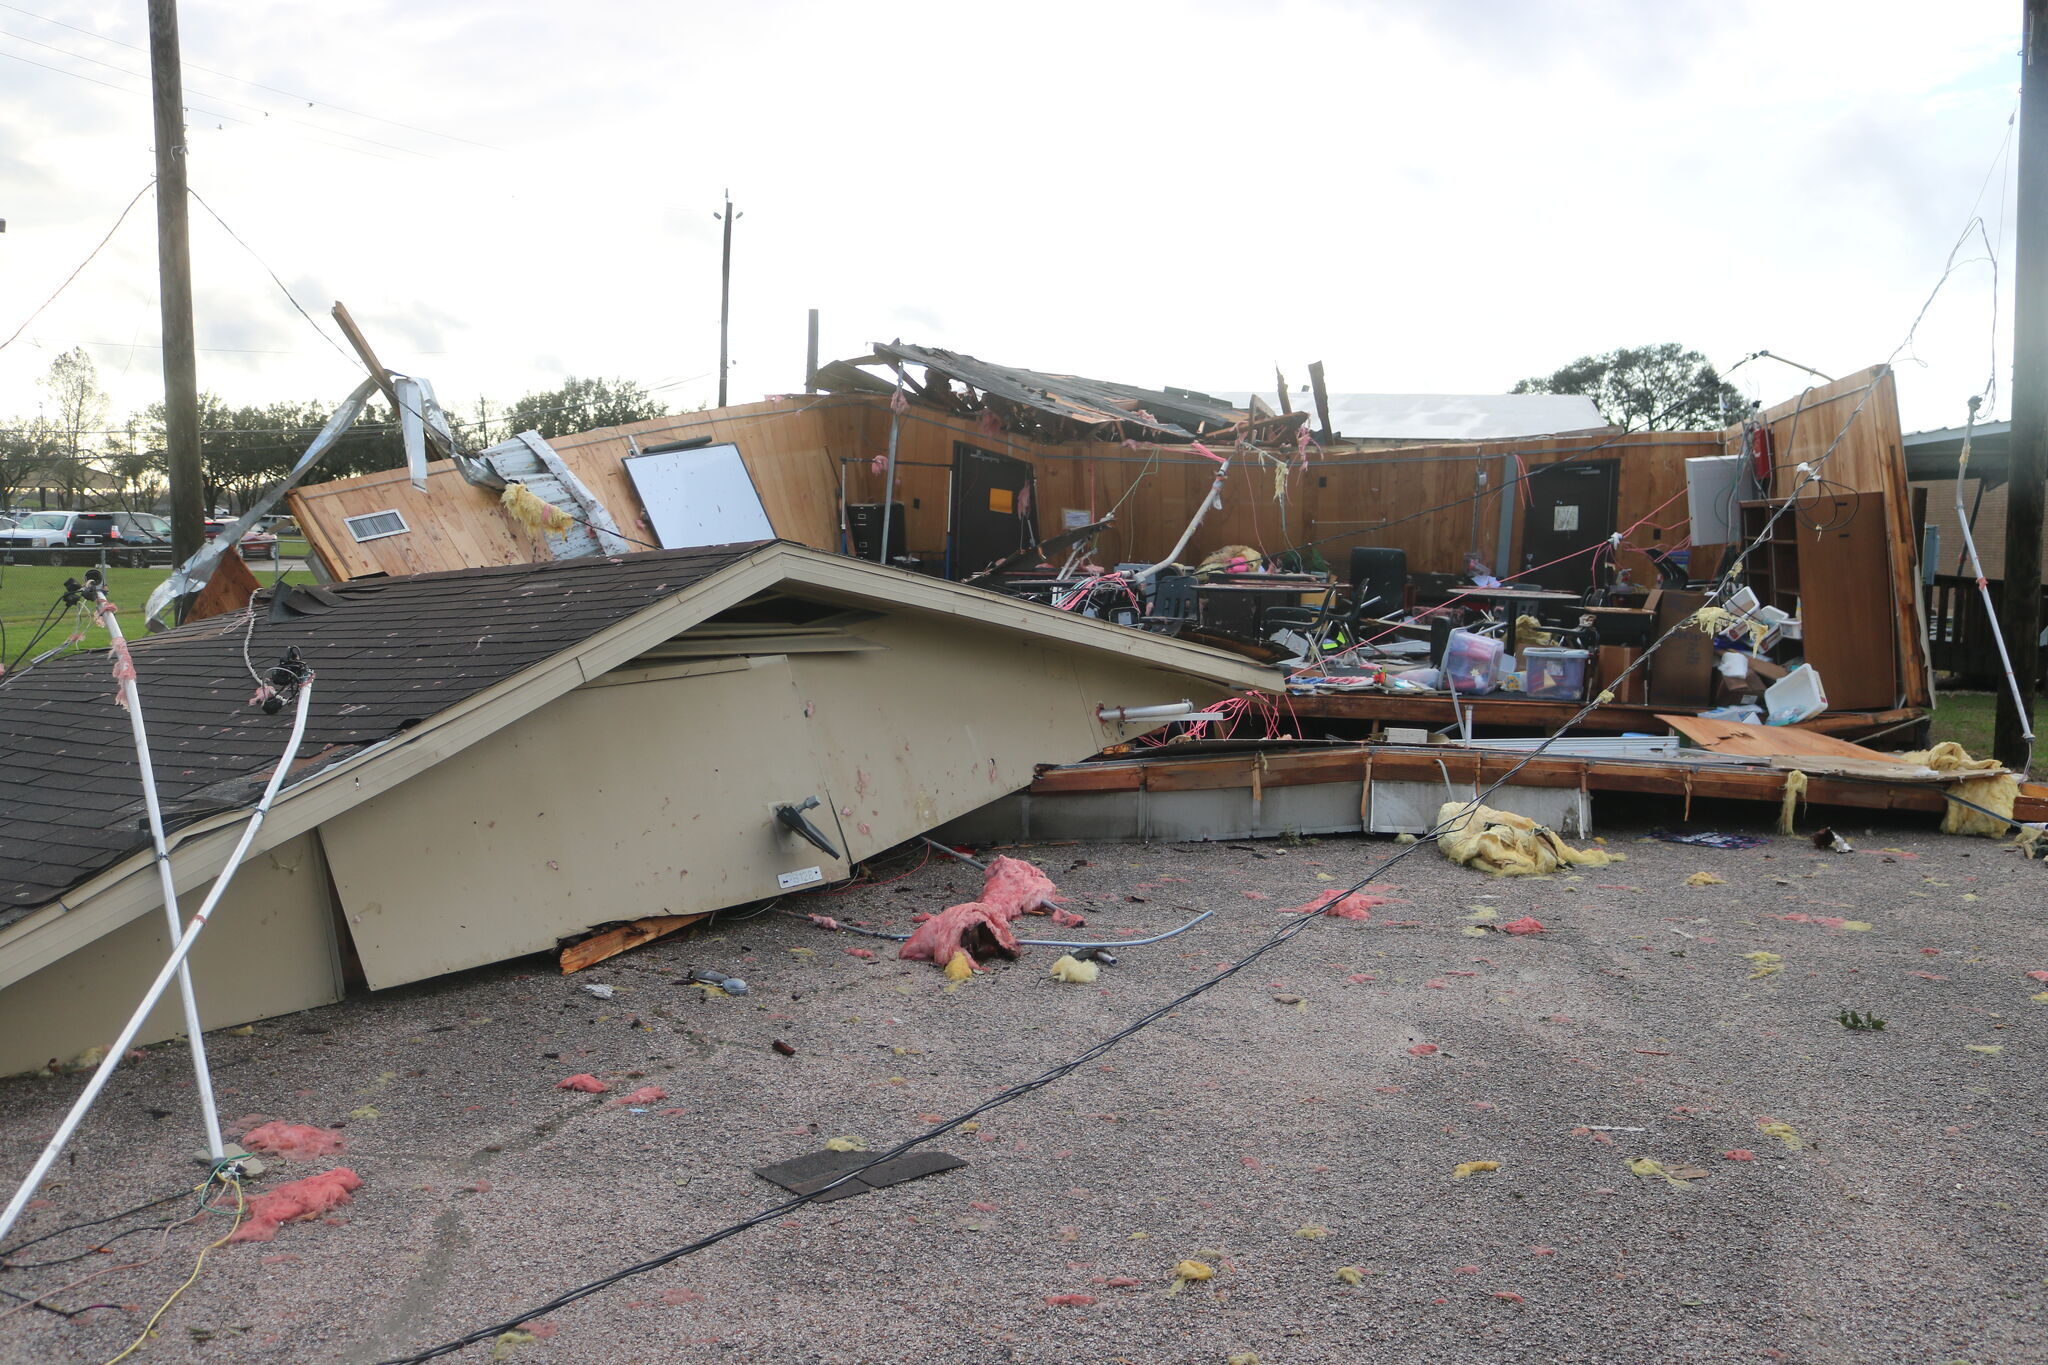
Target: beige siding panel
[
  {"x": 610, "y": 803},
  {"x": 268, "y": 950},
  {"x": 989, "y": 706}
]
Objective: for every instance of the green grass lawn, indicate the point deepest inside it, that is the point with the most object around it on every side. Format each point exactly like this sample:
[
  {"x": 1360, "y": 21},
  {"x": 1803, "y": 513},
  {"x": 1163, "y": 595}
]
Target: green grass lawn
[
  {"x": 29, "y": 591},
  {"x": 1969, "y": 718}
]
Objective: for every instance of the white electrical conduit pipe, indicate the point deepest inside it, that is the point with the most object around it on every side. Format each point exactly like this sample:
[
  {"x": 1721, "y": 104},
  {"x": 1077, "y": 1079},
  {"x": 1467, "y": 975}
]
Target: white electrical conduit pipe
[
  {"x": 173, "y": 966},
  {"x": 202, "y": 1077},
  {"x": 1977, "y": 569},
  {"x": 1215, "y": 499}
]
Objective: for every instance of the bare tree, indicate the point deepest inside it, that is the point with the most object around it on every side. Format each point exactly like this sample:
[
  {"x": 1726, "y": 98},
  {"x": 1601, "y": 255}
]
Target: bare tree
[{"x": 78, "y": 407}]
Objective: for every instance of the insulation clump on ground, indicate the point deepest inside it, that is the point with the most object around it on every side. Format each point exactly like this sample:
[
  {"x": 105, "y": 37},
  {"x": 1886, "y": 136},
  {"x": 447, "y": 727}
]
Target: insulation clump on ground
[
  {"x": 298, "y": 1141},
  {"x": 981, "y": 928},
  {"x": 299, "y": 1201},
  {"x": 1508, "y": 845},
  {"x": 1995, "y": 793}
]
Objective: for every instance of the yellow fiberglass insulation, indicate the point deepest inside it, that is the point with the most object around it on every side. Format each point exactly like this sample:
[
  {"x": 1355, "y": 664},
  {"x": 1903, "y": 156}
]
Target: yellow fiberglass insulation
[
  {"x": 1992, "y": 793},
  {"x": 538, "y": 517},
  {"x": 1509, "y": 845}
]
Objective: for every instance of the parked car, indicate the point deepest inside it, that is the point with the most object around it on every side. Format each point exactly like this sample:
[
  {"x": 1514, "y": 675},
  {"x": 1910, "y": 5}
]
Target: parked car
[
  {"x": 257, "y": 544},
  {"x": 124, "y": 538}
]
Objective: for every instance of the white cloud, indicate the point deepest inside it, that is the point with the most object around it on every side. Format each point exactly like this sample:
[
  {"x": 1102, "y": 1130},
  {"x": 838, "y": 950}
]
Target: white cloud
[{"x": 1440, "y": 197}]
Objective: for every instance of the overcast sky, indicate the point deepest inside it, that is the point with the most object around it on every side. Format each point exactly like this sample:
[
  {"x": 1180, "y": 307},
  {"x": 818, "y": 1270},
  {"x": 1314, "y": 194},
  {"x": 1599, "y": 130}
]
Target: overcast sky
[{"x": 1428, "y": 197}]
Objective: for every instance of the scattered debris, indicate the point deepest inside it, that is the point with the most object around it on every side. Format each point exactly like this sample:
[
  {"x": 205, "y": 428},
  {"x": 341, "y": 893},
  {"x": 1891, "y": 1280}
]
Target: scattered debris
[
  {"x": 1705, "y": 879},
  {"x": 1764, "y": 964},
  {"x": 1850, "y": 1019},
  {"x": 297, "y": 1202},
  {"x": 298, "y": 1141},
  {"x": 1527, "y": 924},
  {"x": 810, "y": 1174},
  {"x": 849, "y": 1143},
  {"x": 1827, "y": 841},
  {"x": 585, "y": 1082},
  {"x": 981, "y": 928},
  {"x": 1465, "y": 1168},
  {"x": 1728, "y": 843},
  {"x": 602, "y": 992},
  {"x": 1073, "y": 972},
  {"x": 1782, "y": 1131},
  {"x": 1508, "y": 845},
  {"x": 784, "y": 1048},
  {"x": 730, "y": 985},
  {"x": 1190, "y": 1272},
  {"x": 1646, "y": 1168},
  {"x": 1351, "y": 1275},
  {"x": 1337, "y": 904}
]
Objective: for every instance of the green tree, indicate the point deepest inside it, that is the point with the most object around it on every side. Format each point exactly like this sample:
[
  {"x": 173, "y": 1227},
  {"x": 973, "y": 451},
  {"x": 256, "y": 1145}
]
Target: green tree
[
  {"x": 26, "y": 444},
  {"x": 582, "y": 405},
  {"x": 1648, "y": 388}
]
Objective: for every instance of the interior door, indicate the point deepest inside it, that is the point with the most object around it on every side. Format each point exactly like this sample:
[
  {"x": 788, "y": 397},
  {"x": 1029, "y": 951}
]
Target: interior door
[
  {"x": 1571, "y": 509},
  {"x": 994, "y": 511}
]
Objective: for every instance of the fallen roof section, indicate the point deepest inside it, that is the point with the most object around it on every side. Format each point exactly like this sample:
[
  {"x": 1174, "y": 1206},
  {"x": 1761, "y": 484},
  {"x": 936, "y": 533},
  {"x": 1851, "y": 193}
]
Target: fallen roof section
[
  {"x": 395, "y": 656},
  {"x": 1026, "y": 398}
]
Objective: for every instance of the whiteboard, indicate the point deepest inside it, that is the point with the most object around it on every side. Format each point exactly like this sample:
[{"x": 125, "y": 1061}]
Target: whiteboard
[{"x": 699, "y": 497}]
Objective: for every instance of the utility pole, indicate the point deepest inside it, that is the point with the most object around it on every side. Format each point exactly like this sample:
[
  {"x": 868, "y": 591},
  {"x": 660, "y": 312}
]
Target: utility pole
[
  {"x": 724, "y": 295},
  {"x": 2029, "y": 458},
  {"x": 174, "y": 284}
]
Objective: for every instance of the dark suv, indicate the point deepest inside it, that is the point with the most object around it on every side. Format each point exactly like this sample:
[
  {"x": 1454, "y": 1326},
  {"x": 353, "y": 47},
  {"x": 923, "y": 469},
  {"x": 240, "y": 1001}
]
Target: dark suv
[{"x": 125, "y": 538}]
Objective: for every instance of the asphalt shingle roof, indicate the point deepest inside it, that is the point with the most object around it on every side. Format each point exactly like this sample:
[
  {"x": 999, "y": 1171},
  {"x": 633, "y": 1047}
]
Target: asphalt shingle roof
[{"x": 389, "y": 653}]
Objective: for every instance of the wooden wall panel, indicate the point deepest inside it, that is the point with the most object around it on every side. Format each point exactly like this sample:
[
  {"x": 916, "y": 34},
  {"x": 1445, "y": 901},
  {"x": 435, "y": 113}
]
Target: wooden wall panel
[{"x": 1849, "y": 432}]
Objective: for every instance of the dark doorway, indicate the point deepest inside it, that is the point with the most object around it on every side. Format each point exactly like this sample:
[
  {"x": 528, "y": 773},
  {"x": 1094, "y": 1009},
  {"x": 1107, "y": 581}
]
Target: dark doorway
[
  {"x": 1571, "y": 509},
  {"x": 994, "y": 515}
]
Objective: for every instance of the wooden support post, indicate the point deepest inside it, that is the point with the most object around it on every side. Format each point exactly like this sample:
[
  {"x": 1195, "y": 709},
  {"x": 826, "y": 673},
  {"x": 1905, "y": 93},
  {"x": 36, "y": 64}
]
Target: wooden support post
[
  {"x": 366, "y": 355},
  {"x": 2029, "y": 449},
  {"x": 1315, "y": 381}
]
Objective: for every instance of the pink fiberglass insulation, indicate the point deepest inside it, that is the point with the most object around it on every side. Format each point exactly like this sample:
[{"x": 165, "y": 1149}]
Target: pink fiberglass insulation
[
  {"x": 1527, "y": 924},
  {"x": 296, "y": 1202},
  {"x": 1357, "y": 905},
  {"x": 587, "y": 1083},
  {"x": 646, "y": 1094},
  {"x": 1010, "y": 888},
  {"x": 299, "y": 1141}
]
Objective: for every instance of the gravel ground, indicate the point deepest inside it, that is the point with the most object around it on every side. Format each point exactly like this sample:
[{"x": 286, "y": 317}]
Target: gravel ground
[{"x": 1288, "y": 1124}]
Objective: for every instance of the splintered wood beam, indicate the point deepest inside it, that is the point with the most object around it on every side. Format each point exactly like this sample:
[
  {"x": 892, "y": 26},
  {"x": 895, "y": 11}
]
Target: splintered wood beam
[
  {"x": 595, "y": 949},
  {"x": 366, "y": 355}
]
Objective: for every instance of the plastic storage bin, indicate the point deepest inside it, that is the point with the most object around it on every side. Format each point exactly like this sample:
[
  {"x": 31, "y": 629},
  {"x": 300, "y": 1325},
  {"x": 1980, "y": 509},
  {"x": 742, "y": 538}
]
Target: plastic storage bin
[
  {"x": 1470, "y": 662},
  {"x": 1558, "y": 674},
  {"x": 1795, "y": 697}
]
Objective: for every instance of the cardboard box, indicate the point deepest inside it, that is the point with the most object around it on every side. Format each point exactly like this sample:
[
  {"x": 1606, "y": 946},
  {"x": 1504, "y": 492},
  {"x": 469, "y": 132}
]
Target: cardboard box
[
  {"x": 1682, "y": 670},
  {"x": 1611, "y": 663},
  {"x": 1757, "y": 675}
]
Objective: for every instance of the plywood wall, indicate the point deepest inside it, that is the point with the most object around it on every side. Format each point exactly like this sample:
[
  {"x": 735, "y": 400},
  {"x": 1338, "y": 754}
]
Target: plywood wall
[{"x": 1438, "y": 503}]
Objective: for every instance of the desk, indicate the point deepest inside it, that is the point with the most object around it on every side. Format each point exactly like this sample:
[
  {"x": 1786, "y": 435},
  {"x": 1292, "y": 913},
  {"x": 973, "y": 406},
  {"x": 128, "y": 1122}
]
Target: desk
[
  {"x": 1235, "y": 603},
  {"x": 1515, "y": 597}
]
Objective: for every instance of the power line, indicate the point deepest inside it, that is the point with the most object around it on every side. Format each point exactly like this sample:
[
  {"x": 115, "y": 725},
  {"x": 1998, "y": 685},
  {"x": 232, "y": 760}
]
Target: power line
[
  {"x": 81, "y": 76},
  {"x": 81, "y": 266},
  {"x": 289, "y": 298},
  {"x": 259, "y": 85},
  {"x": 239, "y": 104}
]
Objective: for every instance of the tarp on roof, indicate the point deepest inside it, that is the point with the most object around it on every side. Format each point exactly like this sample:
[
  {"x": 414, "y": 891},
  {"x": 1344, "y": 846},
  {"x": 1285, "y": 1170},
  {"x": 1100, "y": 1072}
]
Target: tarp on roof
[{"x": 1442, "y": 416}]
